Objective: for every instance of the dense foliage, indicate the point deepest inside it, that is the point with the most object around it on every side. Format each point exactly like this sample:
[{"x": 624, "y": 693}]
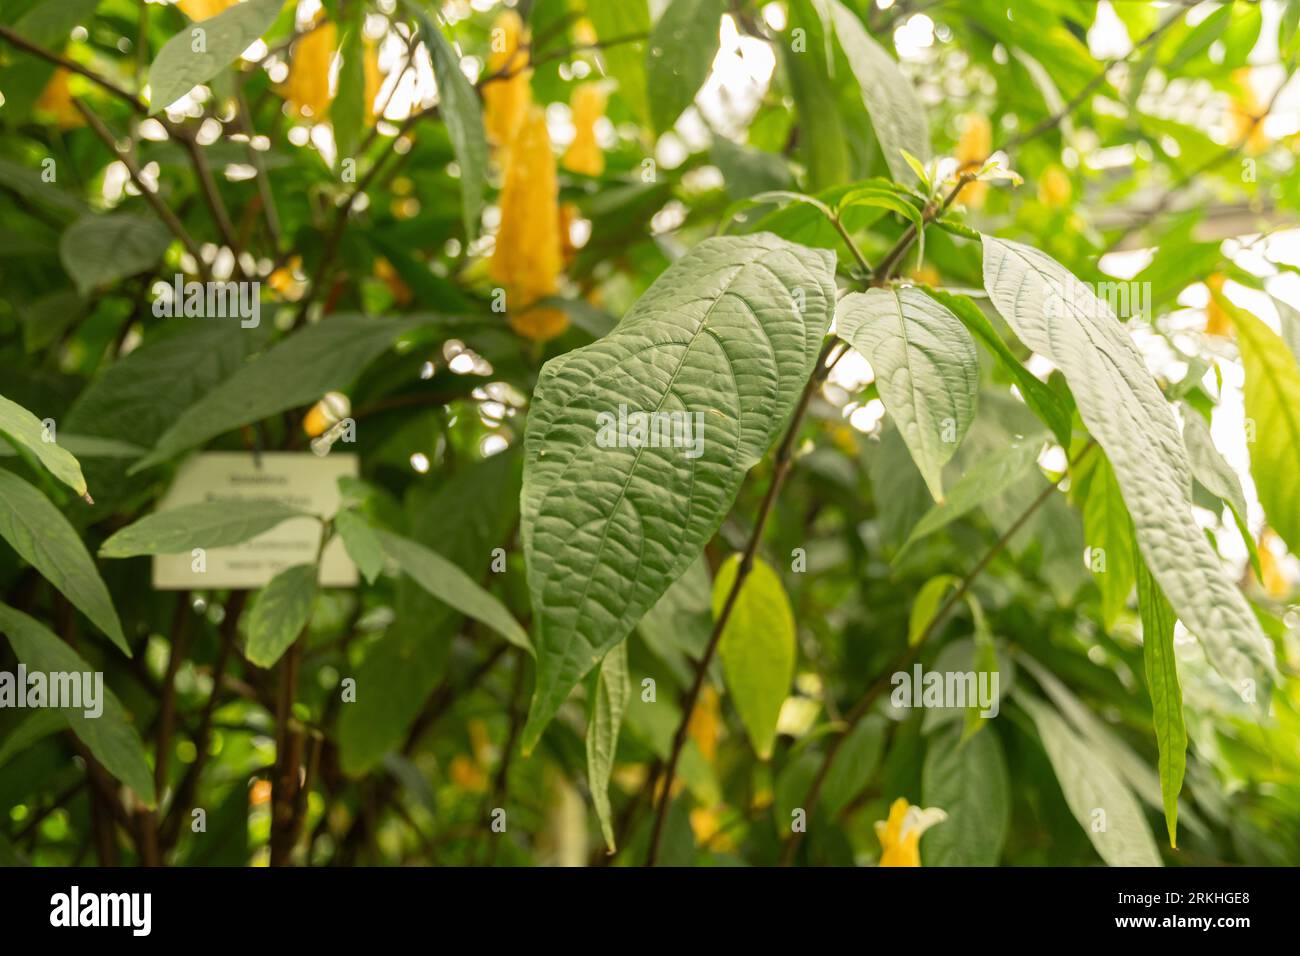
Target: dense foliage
[{"x": 715, "y": 371}]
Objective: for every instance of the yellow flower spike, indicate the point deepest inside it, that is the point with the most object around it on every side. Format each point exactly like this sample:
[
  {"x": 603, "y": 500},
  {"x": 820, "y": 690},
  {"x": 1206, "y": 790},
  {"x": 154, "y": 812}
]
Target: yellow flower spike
[
  {"x": 900, "y": 835},
  {"x": 976, "y": 142},
  {"x": 204, "y": 9},
  {"x": 506, "y": 100},
  {"x": 330, "y": 410},
  {"x": 1216, "y": 320},
  {"x": 400, "y": 290},
  {"x": 307, "y": 88},
  {"x": 374, "y": 79},
  {"x": 704, "y": 723},
  {"x": 466, "y": 774},
  {"x": 584, "y": 155},
  {"x": 1272, "y": 578},
  {"x": 1054, "y": 188},
  {"x": 926, "y": 275},
  {"x": 528, "y": 258},
  {"x": 1243, "y": 113},
  {"x": 55, "y": 102}
]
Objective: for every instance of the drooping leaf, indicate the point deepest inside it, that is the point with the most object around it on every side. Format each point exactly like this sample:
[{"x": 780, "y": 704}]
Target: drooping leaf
[
  {"x": 98, "y": 250},
  {"x": 897, "y": 113},
  {"x": 362, "y": 544},
  {"x": 279, "y": 613},
  {"x": 207, "y": 524},
  {"x": 1166, "y": 693},
  {"x": 1097, "y": 797},
  {"x": 853, "y": 766},
  {"x": 926, "y": 369},
  {"x": 27, "y": 430},
  {"x": 296, "y": 371},
  {"x": 109, "y": 735},
  {"x": 608, "y": 700},
  {"x": 720, "y": 341},
  {"x": 1108, "y": 533},
  {"x": 452, "y": 586},
  {"x": 1273, "y": 407},
  {"x": 44, "y": 539},
  {"x": 757, "y": 648},
  {"x": 202, "y": 50},
  {"x": 1059, "y": 317},
  {"x": 966, "y": 777},
  {"x": 681, "y": 51},
  {"x": 460, "y": 111}
]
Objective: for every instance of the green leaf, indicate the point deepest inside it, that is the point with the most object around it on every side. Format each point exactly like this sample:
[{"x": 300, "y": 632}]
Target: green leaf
[
  {"x": 1273, "y": 405},
  {"x": 348, "y": 110},
  {"x": 1108, "y": 533},
  {"x": 720, "y": 340},
  {"x": 44, "y": 539},
  {"x": 98, "y": 250},
  {"x": 1096, "y": 795},
  {"x": 927, "y": 370},
  {"x": 823, "y": 141},
  {"x": 1166, "y": 693},
  {"x": 1059, "y": 317},
  {"x": 452, "y": 586},
  {"x": 1041, "y": 399},
  {"x": 26, "y": 430},
  {"x": 853, "y": 766},
  {"x": 362, "y": 544},
  {"x": 985, "y": 481},
  {"x": 297, "y": 371},
  {"x": 682, "y": 47},
  {"x": 110, "y": 737},
  {"x": 967, "y": 779},
  {"x": 208, "y": 524},
  {"x": 1216, "y": 475},
  {"x": 624, "y": 61},
  {"x": 757, "y": 648},
  {"x": 461, "y": 113},
  {"x": 926, "y": 604},
  {"x": 608, "y": 700},
  {"x": 178, "y": 68},
  {"x": 279, "y": 613},
  {"x": 896, "y": 111},
  {"x": 1200, "y": 39}
]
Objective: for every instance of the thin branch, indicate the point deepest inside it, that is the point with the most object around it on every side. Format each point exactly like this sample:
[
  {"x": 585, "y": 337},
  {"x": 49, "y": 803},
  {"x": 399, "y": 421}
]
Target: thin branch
[{"x": 58, "y": 60}]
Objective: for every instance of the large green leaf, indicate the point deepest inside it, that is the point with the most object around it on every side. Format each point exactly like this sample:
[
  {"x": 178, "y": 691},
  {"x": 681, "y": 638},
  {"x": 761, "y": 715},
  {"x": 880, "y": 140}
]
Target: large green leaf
[
  {"x": 721, "y": 340},
  {"x": 26, "y": 430},
  {"x": 461, "y": 113},
  {"x": 967, "y": 779},
  {"x": 1161, "y": 666},
  {"x": 109, "y": 736},
  {"x": 608, "y": 700},
  {"x": 1108, "y": 533},
  {"x": 362, "y": 544},
  {"x": 279, "y": 613},
  {"x": 757, "y": 648},
  {"x": 682, "y": 47},
  {"x": 927, "y": 369},
  {"x": 297, "y": 371},
  {"x": 1097, "y": 797},
  {"x": 208, "y": 524},
  {"x": 452, "y": 586},
  {"x": 97, "y": 250},
  {"x": 897, "y": 114},
  {"x": 1273, "y": 405},
  {"x": 1059, "y": 317},
  {"x": 854, "y": 764},
  {"x": 202, "y": 50},
  {"x": 44, "y": 539}
]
